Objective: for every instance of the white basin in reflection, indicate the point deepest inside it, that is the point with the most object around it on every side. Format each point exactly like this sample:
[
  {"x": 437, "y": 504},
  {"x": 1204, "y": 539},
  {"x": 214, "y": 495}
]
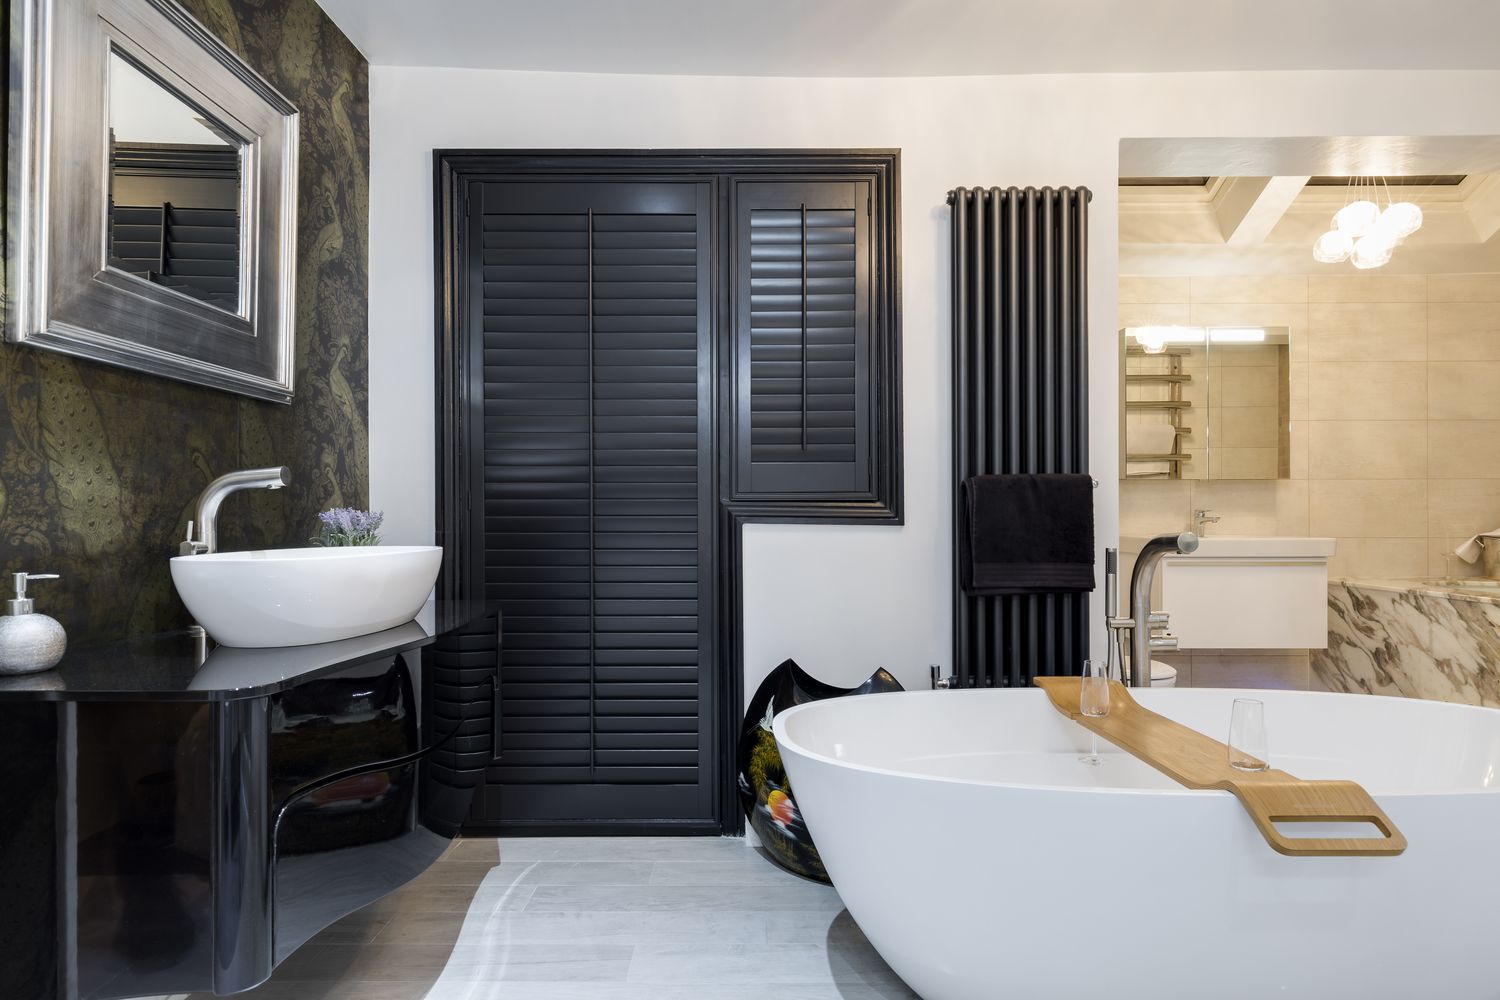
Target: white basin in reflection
[{"x": 295, "y": 597}]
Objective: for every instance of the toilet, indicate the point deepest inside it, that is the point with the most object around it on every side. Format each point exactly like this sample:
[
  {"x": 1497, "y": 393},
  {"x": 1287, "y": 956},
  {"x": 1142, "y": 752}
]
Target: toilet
[{"x": 1163, "y": 675}]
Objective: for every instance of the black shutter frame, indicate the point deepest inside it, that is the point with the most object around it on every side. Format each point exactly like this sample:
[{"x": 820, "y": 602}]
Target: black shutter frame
[{"x": 454, "y": 171}]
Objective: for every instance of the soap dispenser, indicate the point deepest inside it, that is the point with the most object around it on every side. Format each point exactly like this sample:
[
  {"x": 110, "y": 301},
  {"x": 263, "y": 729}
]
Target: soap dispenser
[{"x": 29, "y": 642}]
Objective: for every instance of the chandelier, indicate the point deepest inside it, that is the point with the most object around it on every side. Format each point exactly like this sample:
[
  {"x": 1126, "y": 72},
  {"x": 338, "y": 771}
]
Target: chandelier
[{"x": 1363, "y": 233}]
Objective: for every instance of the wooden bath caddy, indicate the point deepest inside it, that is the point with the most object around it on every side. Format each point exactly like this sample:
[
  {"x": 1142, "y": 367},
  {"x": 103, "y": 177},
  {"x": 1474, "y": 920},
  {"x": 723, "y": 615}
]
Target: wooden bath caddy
[{"x": 1196, "y": 761}]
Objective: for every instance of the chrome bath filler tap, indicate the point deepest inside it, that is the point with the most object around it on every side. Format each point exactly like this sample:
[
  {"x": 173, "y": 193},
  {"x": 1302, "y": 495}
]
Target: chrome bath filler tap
[
  {"x": 207, "y": 517},
  {"x": 1143, "y": 623}
]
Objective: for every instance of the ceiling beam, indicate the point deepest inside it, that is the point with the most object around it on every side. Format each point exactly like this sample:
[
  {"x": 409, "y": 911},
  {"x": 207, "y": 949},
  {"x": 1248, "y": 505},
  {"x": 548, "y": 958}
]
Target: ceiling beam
[
  {"x": 1483, "y": 207},
  {"x": 1248, "y": 208}
]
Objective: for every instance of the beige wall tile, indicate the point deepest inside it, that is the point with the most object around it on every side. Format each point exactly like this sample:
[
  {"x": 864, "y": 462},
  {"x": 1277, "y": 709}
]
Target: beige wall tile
[
  {"x": 1273, "y": 507},
  {"x": 1150, "y": 507},
  {"x": 1300, "y": 434},
  {"x": 1364, "y": 390},
  {"x": 1239, "y": 355},
  {"x": 1379, "y": 558},
  {"x": 1463, "y": 449},
  {"x": 1243, "y": 463},
  {"x": 1299, "y": 388},
  {"x": 1367, "y": 449},
  {"x": 1248, "y": 288},
  {"x": 1442, "y": 563},
  {"x": 1151, "y": 289},
  {"x": 1463, "y": 288},
  {"x": 1251, "y": 669},
  {"x": 1258, "y": 385},
  {"x": 1463, "y": 507},
  {"x": 1394, "y": 331},
  {"x": 1363, "y": 508},
  {"x": 1247, "y": 427},
  {"x": 1367, "y": 288},
  {"x": 1463, "y": 331},
  {"x": 1152, "y": 314},
  {"x": 1463, "y": 390}
]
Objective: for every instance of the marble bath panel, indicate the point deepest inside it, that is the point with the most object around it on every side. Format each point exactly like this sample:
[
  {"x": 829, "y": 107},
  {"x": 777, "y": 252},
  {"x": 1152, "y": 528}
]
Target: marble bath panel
[
  {"x": 1416, "y": 642},
  {"x": 100, "y": 466}
]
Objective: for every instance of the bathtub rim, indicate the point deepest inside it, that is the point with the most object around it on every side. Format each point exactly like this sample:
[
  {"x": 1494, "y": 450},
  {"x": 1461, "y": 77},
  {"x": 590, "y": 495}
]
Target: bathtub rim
[{"x": 779, "y": 725}]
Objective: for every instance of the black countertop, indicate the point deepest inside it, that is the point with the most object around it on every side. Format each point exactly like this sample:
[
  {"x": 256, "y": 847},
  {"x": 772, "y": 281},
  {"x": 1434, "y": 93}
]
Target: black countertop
[{"x": 169, "y": 666}]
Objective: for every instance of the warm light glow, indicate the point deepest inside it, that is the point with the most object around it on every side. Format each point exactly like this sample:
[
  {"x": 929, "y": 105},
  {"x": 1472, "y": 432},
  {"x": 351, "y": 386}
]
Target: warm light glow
[
  {"x": 1154, "y": 339},
  {"x": 1333, "y": 247},
  {"x": 1399, "y": 221},
  {"x": 1372, "y": 251},
  {"x": 1356, "y": 218}
]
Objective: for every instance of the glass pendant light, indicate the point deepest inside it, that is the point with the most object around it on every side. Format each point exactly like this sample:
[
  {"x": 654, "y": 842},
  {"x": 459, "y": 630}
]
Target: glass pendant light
[
  {"x": 1399, "y": 220},
  {"x": 1372, "y": 251},
  {"x": 1356, "y": 218},
  {"x": 1332, "y": 247}
]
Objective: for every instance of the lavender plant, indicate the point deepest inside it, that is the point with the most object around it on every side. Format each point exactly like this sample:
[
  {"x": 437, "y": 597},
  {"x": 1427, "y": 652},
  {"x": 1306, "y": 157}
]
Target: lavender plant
[{"x": 348, "y": 526}]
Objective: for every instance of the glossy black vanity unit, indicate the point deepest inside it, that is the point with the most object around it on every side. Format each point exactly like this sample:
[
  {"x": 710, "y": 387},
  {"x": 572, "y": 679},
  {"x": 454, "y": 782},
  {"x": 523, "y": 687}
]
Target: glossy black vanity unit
[{"x": 171, "y": 823}]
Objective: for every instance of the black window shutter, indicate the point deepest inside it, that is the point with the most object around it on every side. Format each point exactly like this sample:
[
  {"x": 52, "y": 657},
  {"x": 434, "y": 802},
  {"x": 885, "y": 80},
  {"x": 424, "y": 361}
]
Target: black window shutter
[
  {"x": 597, "y": 497},
  {"x": 805, "y": 396}
]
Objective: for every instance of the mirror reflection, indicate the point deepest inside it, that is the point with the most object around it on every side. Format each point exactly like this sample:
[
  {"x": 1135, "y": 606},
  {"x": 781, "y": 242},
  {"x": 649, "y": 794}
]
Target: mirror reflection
[
  {"x": 175, "y": 183},
  {"x": 1206, "y": 402}
]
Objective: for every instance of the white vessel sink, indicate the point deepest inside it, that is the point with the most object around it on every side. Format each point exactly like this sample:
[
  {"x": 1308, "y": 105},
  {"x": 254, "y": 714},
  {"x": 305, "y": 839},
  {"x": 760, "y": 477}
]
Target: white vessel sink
[
  {"x": 295, "y": 597},
  {"x": 1250, "y": 546}
]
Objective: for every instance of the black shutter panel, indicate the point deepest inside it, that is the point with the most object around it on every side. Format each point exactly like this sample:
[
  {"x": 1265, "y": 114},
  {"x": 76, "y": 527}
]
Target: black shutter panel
[
  {"x": 804, "y": 392},
  {"x": 596, "y": 492}
]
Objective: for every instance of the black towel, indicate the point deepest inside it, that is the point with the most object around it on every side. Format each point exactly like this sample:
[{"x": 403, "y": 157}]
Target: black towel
[{"x": 1027, "y": 534}]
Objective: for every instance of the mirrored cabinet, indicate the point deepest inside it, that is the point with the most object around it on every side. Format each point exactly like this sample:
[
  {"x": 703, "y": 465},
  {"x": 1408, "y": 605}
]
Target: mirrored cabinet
[{"x": 1205, "y": 403}]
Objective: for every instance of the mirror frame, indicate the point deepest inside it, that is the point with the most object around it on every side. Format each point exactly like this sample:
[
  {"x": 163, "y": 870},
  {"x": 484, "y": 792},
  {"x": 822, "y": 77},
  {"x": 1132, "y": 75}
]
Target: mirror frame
[{"x": 63, "y": 296}]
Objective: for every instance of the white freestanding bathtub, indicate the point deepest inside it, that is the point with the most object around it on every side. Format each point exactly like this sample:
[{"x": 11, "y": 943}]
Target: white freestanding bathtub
[{"x": 984, "y": 860}]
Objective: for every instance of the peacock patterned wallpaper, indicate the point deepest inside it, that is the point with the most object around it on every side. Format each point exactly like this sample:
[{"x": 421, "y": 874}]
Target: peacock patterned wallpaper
[{"x": 99, "y": 467}]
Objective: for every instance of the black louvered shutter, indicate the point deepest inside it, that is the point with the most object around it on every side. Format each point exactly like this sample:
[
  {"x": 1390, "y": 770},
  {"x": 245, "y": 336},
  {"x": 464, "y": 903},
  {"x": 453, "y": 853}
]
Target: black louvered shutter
[
  {"x": 594, "y": 328},
  {"x": 804, "y": 393}
]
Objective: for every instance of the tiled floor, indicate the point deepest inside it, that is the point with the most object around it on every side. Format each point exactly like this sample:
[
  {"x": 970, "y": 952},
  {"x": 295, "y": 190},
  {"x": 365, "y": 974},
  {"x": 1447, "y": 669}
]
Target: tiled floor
[{"x": 594, "y": 919}]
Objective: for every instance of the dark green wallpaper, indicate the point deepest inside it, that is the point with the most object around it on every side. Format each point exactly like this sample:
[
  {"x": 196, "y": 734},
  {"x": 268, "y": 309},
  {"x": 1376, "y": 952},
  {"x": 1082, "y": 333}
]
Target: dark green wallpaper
[{"x": 99, "y": 467}]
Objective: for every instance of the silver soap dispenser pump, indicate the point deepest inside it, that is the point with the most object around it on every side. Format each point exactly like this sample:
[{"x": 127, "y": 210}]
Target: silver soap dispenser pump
[{"x": 29, "y": 642}]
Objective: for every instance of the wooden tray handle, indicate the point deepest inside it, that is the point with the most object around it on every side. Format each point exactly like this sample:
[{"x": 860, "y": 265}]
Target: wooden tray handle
[{"x": 1198, "y": 761}]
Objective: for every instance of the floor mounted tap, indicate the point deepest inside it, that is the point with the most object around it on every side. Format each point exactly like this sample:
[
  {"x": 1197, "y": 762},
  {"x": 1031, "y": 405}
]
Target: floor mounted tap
[{"x": 1143, "y": 623}]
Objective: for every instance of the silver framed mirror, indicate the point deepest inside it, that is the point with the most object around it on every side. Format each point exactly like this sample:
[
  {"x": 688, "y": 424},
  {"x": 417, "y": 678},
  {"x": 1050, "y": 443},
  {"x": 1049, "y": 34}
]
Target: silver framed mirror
[{"x": 152, "y": 199}]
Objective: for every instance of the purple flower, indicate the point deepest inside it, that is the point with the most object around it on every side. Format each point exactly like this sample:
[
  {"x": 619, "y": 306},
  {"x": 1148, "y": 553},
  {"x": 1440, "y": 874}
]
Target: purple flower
[{"x": 349, "y": 526}]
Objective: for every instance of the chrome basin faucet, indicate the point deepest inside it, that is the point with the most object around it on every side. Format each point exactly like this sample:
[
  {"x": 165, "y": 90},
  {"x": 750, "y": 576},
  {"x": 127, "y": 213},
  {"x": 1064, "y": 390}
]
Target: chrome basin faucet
[
  {"x": 1143, "y": 622},
  {"x": 207, "y": 518}
]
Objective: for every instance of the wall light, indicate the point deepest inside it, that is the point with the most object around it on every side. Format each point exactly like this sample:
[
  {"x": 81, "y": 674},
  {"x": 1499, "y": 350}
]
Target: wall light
[{"x": 1154, "y": 339}]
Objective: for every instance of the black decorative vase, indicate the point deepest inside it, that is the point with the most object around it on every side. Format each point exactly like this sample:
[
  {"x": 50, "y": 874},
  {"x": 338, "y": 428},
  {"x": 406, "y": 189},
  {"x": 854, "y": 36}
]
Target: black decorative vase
[{"x": 764, "y": 790}]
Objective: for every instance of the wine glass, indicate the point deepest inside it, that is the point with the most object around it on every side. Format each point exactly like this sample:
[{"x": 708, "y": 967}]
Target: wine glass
[
  {"x": 1093, "y": 701},
  {"x": 1247, "y": 735}
]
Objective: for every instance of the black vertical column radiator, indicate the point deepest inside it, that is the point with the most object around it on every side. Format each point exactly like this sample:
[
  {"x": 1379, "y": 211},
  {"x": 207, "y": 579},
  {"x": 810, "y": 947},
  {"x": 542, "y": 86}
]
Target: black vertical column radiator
[{"x": 1020, "y": 402}]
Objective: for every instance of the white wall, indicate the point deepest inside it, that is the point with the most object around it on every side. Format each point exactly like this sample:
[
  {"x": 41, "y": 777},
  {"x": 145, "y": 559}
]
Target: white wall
[{"x": 842, "y": 600}]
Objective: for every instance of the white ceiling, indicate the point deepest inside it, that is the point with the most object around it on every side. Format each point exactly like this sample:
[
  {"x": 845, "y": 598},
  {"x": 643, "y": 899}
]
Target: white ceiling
[{"x": 856, "y": 38}]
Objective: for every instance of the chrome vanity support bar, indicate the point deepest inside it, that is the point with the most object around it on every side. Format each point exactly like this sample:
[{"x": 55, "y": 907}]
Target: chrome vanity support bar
[{"x": 1143, "y": 621}]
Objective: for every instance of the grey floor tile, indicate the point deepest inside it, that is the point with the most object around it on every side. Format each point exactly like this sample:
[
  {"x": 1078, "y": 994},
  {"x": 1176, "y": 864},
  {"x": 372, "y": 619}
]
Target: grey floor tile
[
  {"x": 574, "y": 872},
  {"x": 753, "y": 870},
  {"x": 474, "y": 849},
  {"x": 572, "y": 962},
  {"x": 622, "y": 848},
  {"x": 593, "y": 927},
  {"x": 682, "y": 897},
  {"x": 769, "y": 965},
  {"x": 436, "y": 898}
]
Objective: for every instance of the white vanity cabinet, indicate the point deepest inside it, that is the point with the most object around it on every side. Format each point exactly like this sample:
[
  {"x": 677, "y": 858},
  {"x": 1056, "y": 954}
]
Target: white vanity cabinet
[{"x": 1249, "y": 593}]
